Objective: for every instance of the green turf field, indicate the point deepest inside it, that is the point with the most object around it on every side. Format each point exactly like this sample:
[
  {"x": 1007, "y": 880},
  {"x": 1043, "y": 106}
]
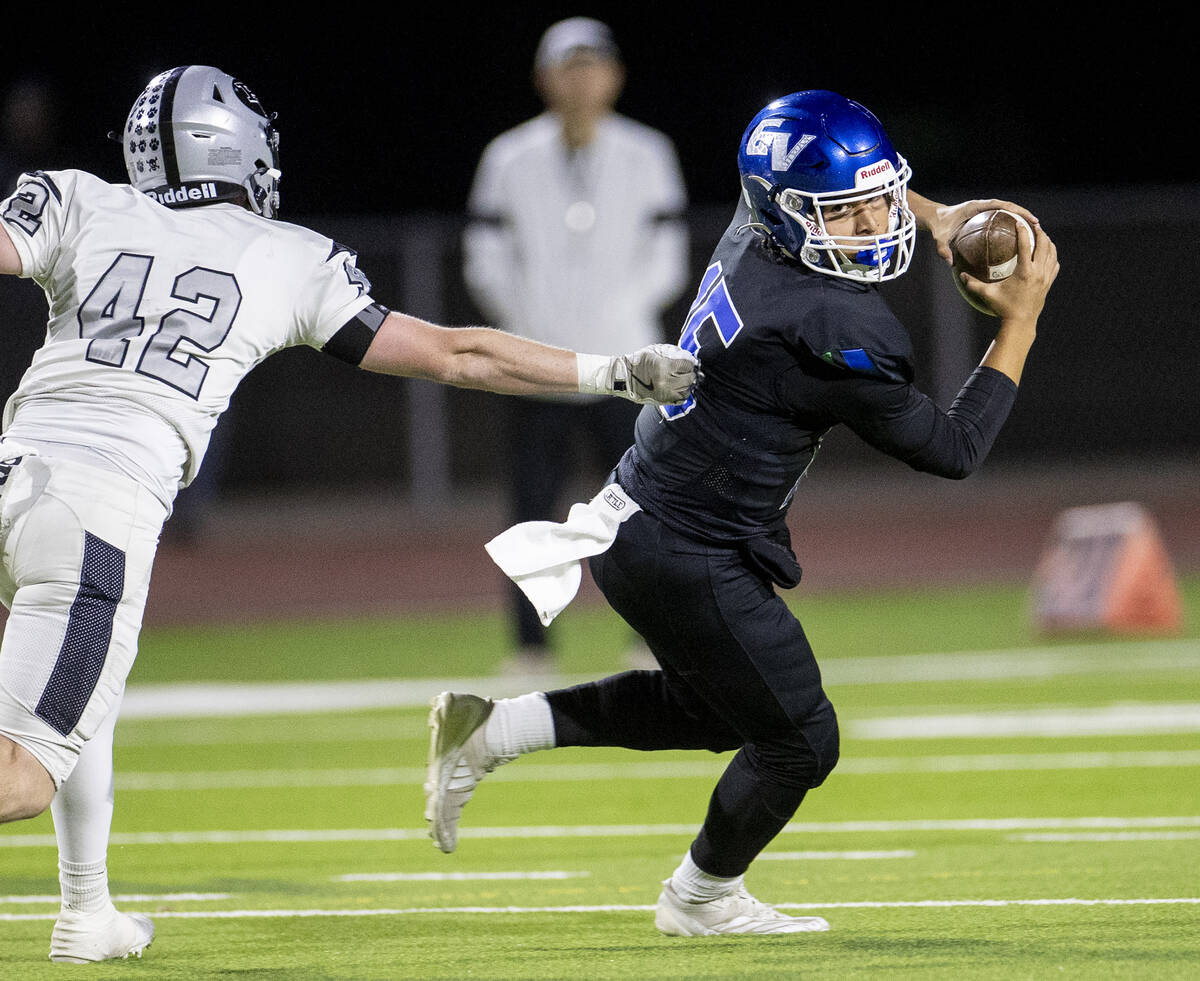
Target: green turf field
[{"x": 1006, "y": 807}]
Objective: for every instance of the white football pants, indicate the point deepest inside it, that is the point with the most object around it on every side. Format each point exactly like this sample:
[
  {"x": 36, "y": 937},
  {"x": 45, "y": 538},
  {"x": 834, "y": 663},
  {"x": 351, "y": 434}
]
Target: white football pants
[{"x": 77, "y": 544}]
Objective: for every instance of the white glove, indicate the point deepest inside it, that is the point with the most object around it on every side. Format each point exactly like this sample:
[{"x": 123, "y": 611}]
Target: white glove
[{"x": 661, "y": 374}]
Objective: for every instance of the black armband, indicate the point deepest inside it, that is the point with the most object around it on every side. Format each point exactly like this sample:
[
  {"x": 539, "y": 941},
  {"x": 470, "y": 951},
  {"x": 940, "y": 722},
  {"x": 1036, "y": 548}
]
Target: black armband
[
  {"x": 488, "y": 219},
  {"x": 667, "y": 217},
  {"x": 350, "y": 343}
]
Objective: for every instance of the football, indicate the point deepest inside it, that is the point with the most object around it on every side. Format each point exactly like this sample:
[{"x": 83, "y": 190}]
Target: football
[{"x": 986, "y": 247}]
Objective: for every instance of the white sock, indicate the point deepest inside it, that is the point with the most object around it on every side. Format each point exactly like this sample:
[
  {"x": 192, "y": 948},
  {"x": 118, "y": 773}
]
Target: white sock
[
  {"x": 84, "y": 887},
  {"x": 520, "y": 725},
  {"x": 692, "y": 884},
  {"x": 82, "y": 811}
]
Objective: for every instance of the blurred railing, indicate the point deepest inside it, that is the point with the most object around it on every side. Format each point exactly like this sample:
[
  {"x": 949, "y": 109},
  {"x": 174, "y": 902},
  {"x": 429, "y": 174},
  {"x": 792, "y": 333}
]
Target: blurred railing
[{"x": 1112, "y": 374}]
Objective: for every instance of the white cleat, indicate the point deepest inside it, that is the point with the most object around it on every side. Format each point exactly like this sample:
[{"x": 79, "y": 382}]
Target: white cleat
[
  {"x": 458, "y": 760},
  {"x": 739, "y": 912},
  {"x": 82, "y": 938}
]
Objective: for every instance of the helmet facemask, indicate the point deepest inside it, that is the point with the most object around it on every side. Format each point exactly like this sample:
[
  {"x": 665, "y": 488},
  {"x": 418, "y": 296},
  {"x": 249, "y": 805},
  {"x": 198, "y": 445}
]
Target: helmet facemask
[
  {"x": 262, "y": 186},
  {"x": 813, "y": 150},
  {"x": 873, "y": 258}
]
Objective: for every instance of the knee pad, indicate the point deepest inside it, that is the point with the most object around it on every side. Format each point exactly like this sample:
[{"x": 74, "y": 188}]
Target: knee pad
[
  {"x": 804, "y": 760},
  {"x": 821, "y": 733}
]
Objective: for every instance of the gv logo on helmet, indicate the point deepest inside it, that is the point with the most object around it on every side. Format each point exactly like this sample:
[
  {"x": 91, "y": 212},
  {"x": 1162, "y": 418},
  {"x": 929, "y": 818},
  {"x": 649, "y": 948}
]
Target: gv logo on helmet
[{"x": 766, "y": 139}]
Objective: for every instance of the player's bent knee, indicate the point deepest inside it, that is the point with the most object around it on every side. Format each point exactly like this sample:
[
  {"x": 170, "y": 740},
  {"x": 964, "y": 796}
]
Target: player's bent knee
[
  {"x": 26, "y": 788},
  {"x": 825, "y": 744},
  {"x": 824, "y": 766},
  {"x": 807, "y": 757}
]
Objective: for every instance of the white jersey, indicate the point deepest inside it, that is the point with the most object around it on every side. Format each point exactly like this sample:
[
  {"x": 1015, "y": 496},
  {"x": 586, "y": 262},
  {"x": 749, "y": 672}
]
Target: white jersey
[
  {"x": 582, "y": 250},
  {"x": 157, "y": 314}
]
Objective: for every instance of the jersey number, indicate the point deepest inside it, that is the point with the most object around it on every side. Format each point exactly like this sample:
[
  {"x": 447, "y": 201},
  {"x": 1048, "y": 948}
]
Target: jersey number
[
  {"x": 714, "y": 303},
  {"x": 109, "y": 318},
  {"x": 26, "y": 206}
]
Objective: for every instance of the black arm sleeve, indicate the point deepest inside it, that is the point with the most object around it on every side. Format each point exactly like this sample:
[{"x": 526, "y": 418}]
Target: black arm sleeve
[{"x": 906, "y": 424}]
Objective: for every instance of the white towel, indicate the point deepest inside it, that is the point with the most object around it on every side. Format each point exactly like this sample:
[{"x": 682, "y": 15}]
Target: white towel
[{"x": 542, "y": 557}]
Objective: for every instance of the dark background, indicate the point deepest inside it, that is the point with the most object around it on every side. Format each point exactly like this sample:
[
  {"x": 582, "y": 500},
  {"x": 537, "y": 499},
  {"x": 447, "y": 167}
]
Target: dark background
[
  {"x": 1090, "y": 123},
  {"x": 387, "y": 113}
]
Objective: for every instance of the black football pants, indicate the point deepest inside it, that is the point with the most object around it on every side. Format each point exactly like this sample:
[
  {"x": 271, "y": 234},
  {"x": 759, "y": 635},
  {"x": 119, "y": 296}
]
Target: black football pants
[{"x": 737, "y": 673}]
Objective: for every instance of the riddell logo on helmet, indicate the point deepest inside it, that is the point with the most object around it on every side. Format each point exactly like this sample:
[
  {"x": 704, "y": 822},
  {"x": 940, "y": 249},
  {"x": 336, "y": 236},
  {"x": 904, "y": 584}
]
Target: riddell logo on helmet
[
  {"x": 866, "y": 173},
  {"x": 185, "y": 194}
]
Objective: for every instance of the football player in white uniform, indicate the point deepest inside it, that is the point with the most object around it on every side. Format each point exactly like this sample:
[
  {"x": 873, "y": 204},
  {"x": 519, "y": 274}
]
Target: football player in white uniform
[{"x": 163, "y": 294}]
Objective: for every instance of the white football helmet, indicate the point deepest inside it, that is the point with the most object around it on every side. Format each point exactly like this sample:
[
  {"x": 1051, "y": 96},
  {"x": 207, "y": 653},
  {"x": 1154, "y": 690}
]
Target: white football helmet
[{"x": 197, "y": 135}]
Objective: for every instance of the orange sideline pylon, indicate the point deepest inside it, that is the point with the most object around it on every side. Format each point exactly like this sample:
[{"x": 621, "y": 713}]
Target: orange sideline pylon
[{"x": 1106, "y": 568}]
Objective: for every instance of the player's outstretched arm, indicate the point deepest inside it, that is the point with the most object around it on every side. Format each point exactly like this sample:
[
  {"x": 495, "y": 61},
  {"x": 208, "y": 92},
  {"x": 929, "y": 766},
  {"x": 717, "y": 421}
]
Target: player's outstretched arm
[
  {"x": 943, "y": 220},
  {"x": 488, "y": 359}
]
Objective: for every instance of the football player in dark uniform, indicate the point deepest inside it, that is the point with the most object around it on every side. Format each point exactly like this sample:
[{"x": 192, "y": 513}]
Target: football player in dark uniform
[{"x": 793, "y": 339}]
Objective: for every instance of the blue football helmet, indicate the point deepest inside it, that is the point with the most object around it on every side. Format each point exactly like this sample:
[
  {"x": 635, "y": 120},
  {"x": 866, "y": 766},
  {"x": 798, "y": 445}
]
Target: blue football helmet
[{"x": 810, "y": 150}]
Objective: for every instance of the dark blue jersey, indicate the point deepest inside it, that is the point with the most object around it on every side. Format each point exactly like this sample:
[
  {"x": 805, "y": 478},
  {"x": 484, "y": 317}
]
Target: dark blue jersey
[{"x": 787, "y": 354}]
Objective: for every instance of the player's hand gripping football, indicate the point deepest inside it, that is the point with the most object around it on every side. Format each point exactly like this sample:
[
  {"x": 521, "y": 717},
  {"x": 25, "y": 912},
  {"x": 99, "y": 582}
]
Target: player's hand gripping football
[
  {"x": 1019, "y": 298},
  {"x": 944, "y": 220},
  {"x": 660, "y": 374}
]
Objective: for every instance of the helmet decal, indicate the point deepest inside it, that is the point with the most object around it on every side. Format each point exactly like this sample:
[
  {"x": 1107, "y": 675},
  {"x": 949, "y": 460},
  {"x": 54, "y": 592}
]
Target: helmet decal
[
  {"x": 767, "y": 138},
  {"x": 249, "y": 99},
  {"x": 145, "y": 149}
]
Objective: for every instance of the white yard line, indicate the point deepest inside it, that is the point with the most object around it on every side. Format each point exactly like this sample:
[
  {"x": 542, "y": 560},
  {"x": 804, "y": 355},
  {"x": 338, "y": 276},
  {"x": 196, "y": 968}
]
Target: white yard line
[
  {"x": 1109, "y": 836},
  {"x": 219, "y": 699},
  {"x": 168, "y": 897},
  {"x": 456, "y": 876},
  {"x": 1132, "y": 657},
  {"x": 195, "y": 700},
  {"x": 835, "y": 856},
  {"x": 263, "y": 779},
  {"x": 180, "y": 731},
  {"x": 294, "y": 836},
  {"x": 666, "y": 770},
  {"x": 240, "y": 914},
  {"x": 1104, "y": 720},
  {"x": 993, "y": 762},
  {"x": 954, "y": 903}
]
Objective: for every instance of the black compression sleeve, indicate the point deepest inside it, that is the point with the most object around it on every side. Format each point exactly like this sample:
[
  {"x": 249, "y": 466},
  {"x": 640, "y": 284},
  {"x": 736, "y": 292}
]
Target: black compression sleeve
[
  {"x": 904, "y": 423},
  {"x": 981, "y": 409}
]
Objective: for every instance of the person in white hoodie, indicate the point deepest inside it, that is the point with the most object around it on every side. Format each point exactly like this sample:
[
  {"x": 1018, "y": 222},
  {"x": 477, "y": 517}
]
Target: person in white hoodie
[{"x": 575, "y": 236}]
